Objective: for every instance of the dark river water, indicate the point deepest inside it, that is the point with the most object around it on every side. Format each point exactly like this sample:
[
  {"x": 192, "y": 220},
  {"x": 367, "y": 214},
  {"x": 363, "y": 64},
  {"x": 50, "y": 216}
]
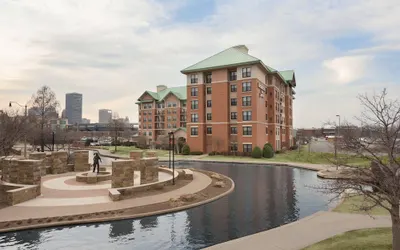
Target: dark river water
[{"x": 264, "y": 198}]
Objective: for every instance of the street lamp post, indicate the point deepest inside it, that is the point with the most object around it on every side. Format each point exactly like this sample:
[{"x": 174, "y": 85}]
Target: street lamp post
[{"x": 26, "y": 114}]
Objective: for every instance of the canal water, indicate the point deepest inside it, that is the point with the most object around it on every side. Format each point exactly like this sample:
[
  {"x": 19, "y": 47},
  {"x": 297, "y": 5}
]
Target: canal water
[{"x": 264, "y": 197}]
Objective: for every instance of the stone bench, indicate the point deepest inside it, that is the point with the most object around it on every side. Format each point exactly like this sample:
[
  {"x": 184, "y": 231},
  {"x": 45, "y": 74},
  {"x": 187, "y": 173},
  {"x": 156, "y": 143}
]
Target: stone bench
[
  {"x": 185, "y": 174},
  {"x": 114, "y": 194}
]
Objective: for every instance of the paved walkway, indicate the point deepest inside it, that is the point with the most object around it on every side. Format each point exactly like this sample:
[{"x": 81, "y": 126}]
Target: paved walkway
[
  {"x": 305, "y": 232},
  {"x": 200, "y": 182}
]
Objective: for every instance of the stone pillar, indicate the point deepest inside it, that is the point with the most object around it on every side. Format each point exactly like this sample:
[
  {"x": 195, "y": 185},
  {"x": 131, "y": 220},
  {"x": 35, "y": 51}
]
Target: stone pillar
[
  {"x": 40, "y": 156},
  {"x": 59, "y": 162},
  {"x": 148, "y": 170},
  {"x": 138, "y": 154},
  {"x": 28, "y": 172},
  {"x": 82, "y": 160},
  {"x": 151, "y": 154},
  {"x": 122, "y": 173}
]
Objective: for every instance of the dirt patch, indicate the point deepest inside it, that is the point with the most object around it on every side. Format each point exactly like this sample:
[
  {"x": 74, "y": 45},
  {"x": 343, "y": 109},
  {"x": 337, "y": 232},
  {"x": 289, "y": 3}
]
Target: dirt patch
[{"x": 210, "y": 192}]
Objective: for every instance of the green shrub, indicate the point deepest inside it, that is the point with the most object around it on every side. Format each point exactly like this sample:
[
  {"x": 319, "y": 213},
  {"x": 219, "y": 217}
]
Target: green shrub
[
  {"x": 268, "y": 152},
  {"x": 256, "y": 152},
  {"x": 268, "y": 144},
  {"x": 186, "y": 150},
  {"x": 196, "y": 153},
  {"x": 212, "y": 153}
]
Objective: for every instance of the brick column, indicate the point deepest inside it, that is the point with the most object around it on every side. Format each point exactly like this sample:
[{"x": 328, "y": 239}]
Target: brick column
[
  {"x": 81, "y": 161},
  {"x": 122, "y": 173},
  {"x": 138, "y": 154},
  {"x": 59, "y": 162},
  {"x": 148, "y": 170}
]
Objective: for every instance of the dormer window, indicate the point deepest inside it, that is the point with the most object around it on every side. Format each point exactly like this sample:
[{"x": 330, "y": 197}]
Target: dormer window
[{"x": 193, "y": 78}]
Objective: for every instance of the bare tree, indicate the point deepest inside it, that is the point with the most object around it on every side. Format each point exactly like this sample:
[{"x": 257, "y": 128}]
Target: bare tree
[
  {"x": 117, "y": 127},
  {"x": 13, "y": 129},
  {"x": 141, "y": 141},
  {"x": 379, "y": 184},
  {"x": 163, "y": 141},
  {"x": 44, "y": 105}
]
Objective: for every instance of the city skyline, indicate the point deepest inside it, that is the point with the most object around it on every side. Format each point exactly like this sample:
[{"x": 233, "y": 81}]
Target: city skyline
[{"x": 116, "y": 53}]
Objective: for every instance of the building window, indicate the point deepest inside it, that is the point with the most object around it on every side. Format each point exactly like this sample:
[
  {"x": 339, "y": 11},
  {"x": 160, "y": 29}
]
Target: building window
[
  {"x": 247, "y": 148},
  {"x": 144, "y": 126},
  {"x": 209, "y": 130},
  {"x": 183, "y": 103},
  {"x": 246, "y": 72},
  {"x": 232, "y": 75},
  {"x": 233, "y": 115},
  {"x": 194, "y": 91},
  {"x": 150, "y": 133},
  {"x": 247, "y": 130},
  {"x": 207, "y": 78},
  {"x": 208, "y": 103},
  {"x": 266, "y": 117},
  {"x": 246, "y": 115},
  {"x": 234, "y": 147},
  {"x": 195, "y": 104},
  {"x": 194, "y": 131},
  {"x": 246, "y": 101},
  {"x": 195, "y": 118},
  {"x": 233, "y": 88},
  {"x": 209, "y": 117},
  {"x": 193, "y": 79},
  {"x": 174, "y": 125},
  {"x": 208, "y": 90},
  {"x": 246, "y": 86},
  {"x": 233, "y": 130}
]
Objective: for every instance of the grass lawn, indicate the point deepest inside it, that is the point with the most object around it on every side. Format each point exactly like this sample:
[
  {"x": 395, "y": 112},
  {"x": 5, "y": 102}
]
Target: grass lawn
[
  {"x": 123, "y": 150},
  {"x": 365, "y": 239},
  {"x": 351, "y": 205},
  {"x": 295, "y": 156}
]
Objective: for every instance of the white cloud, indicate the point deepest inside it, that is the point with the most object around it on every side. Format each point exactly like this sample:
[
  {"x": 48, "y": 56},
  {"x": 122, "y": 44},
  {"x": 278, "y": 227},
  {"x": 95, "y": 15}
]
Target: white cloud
[
  {"x": 348, "y": 69},
  {"x": 111, "y": 51}
]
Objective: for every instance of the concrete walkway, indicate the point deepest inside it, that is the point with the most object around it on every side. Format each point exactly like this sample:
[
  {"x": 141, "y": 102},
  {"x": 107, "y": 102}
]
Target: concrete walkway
[
  {"x": 305, "y": 232},
  {"x": 200, "y": 182}
]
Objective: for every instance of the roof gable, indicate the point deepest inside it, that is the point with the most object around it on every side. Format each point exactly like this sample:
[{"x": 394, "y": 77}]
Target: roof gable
[
  {"x": 229, "y": 57},
  {"x": 179, "y": 92}
]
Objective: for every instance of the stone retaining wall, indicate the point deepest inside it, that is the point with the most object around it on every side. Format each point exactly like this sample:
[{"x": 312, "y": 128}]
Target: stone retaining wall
[
  {"x": 122, "y": 173},
  {"x": 151, "y": 154},
  {"x": 59, "y": 162},
  {"x": 81, "y": 160},
  {"x": 26, "y": 172},
  {"x": 116, "y": 194},
  {"x": 136, "y": 154},
  {"x": 12, "y": 194}
]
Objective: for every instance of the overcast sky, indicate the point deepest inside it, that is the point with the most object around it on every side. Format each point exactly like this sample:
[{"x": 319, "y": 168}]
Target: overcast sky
[{"x": 111, "y": 51}]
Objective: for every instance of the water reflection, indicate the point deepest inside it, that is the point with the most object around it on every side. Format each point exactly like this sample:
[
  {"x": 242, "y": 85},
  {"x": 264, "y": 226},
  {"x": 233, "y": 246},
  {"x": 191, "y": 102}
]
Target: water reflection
[{"x": 264, "y": 198}]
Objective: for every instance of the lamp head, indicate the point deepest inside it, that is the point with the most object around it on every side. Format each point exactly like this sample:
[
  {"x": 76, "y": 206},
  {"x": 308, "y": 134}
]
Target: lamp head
[{"x": 10, "y": 105}]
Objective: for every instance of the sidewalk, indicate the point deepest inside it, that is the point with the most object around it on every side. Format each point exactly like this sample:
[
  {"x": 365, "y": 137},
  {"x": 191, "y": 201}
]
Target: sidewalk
[
  {"x": 305, "y": 232},
  {"x": 199, "y": 158},
  {"x": 200, "y": 182}
]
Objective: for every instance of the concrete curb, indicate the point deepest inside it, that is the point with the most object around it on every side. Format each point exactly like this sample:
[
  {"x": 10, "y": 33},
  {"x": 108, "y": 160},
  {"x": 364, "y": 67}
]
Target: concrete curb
[{"x": 125, "y": 217}]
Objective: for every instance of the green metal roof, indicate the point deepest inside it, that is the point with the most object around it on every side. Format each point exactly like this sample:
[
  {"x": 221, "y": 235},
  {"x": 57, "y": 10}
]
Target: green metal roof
[
  {"x": 181, "y": 128},
  {"x": 235, "y": 56},
  {"x": 179, "y": 92},
  {"x": 229, "y": 57}
]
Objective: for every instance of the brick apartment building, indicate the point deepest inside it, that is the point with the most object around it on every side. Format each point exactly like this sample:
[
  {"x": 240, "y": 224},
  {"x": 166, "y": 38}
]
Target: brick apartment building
[
  {"x": 234, "y": 103},
  {"x": 162, "y": 111}
]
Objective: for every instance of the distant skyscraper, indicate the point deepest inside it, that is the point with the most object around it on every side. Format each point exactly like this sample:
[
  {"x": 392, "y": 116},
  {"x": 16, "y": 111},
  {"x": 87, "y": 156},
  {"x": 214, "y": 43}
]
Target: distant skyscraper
[
  {"x": 73, "y": 107},
  {"x": 105, "y": 115}
]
